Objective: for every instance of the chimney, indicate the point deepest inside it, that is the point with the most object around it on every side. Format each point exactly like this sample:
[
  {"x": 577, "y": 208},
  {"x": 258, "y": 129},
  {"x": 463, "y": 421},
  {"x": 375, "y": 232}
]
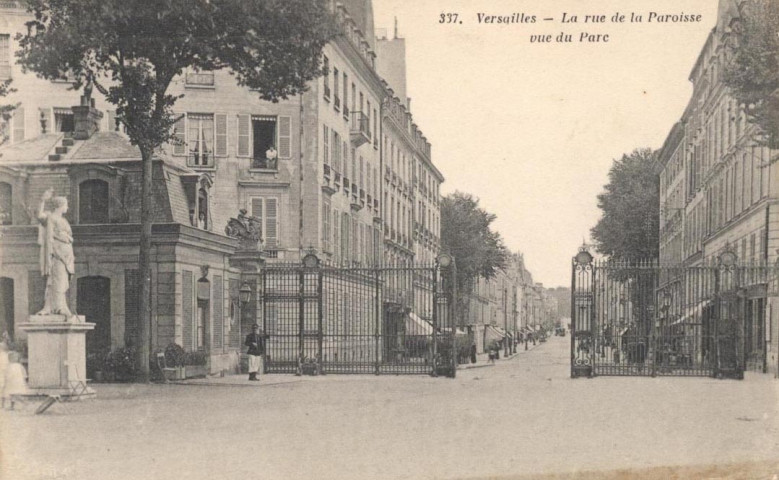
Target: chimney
[{"x": 86, "y": 117}]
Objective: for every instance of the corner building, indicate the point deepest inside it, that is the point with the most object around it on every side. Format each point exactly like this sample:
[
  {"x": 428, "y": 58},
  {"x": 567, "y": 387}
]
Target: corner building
[{"x": 321, "y": 191}]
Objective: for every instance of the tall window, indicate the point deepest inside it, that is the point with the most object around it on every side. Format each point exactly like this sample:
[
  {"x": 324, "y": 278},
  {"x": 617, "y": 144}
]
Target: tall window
[
  {"x": 200, "y": 136},
  {"x": 336, "y": 153},
  {"x": 266, "y": 210},
  {"x": 336, "y": 87},
  {"x": 326, "y": 77},
  {"x": 5, "y": 57},
  {"x": 265, "y": 139},
  {"x": 326, "y": 145},
  {"x": 6, "y": 204},
  {"x": 326, "y": 226},
  {"x": 93, "y": 202},
  {"x": 346, "y": 95}
]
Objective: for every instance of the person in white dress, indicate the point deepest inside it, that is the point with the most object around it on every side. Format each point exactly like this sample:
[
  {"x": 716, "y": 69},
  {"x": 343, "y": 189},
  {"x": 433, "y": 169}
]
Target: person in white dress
[{"x": 15, "y": 379}]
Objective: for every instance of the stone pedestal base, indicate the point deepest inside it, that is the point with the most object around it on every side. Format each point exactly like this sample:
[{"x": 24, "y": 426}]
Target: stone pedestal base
[{"x": 57, "y": 355}]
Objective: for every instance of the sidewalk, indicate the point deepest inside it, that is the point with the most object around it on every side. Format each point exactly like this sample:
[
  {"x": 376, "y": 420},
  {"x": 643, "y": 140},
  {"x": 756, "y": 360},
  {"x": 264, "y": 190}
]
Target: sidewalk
[
  {"x": 482, "y": 359},
  {"x": 241, "y": 380}
]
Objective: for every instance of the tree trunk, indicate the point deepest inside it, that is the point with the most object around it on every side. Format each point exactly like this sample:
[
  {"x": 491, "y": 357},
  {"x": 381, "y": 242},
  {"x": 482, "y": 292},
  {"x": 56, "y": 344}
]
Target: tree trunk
[{"x": 144, "y": 266}]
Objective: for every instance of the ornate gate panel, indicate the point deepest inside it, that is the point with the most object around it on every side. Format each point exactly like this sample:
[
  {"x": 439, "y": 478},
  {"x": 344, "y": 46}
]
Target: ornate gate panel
[
  {"x": 323, "y": 319},
  {"x": 644, "y": 319}
]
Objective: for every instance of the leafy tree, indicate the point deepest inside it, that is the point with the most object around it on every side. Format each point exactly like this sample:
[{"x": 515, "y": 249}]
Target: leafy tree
[
  {"x": 753, "y": 73},
  {"x": 131, "y": 50},
  {"x": 6, "y": 110},
  {"x": 466, "y": 234},
  {"x": 629, "y": 227}
]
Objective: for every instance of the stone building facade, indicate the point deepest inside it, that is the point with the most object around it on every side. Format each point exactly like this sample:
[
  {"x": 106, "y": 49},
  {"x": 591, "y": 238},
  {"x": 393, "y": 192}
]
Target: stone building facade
[
  {"x": 308, "y": 168},
  {"x": 719, "y": 191}
]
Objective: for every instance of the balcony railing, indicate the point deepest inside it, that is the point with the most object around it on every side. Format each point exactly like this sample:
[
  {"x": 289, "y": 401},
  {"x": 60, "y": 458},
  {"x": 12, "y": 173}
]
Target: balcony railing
[
  {"x": 263, "y": 163},
  {"x": 327, "y": 92},
  {"x": 359, "y": 132}
]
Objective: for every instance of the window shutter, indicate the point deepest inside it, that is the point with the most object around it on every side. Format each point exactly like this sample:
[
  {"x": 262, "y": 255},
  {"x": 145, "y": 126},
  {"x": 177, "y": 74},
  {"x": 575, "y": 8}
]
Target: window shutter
[
  {"x": 244, "y": 135},
  {"x": 180, "y": 135},
  {"x": 271, "y": 221},
  {"x": 257, "y": 211},
  {"x": 220, "y": 123},
  {"x": 18, "y": 132},
  {"x": 285, "y": 137},
  {"x": 326, "y": 145},
  {"x": 336, "y": 156}
]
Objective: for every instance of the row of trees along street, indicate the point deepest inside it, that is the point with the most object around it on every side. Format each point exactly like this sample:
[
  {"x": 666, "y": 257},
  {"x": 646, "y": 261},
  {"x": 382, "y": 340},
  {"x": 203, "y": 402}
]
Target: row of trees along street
[{"x": 466, "y": 234}]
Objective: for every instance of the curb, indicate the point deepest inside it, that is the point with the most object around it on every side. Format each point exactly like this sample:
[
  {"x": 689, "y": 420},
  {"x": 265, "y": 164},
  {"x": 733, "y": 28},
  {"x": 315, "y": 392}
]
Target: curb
[{"x": 474, "y": 365}]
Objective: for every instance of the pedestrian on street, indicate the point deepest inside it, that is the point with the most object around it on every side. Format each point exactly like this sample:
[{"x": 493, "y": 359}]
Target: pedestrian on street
[
  {"x": 256, "y": 352},
  {"x": 15, "y": 381}
]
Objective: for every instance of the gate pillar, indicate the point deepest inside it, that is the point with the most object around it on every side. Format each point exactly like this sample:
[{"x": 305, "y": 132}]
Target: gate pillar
[{"x": 582, "y": 344}]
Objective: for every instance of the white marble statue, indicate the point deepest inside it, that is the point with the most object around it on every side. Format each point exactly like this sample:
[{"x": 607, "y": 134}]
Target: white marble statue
[{"x": 57, "y": 262}]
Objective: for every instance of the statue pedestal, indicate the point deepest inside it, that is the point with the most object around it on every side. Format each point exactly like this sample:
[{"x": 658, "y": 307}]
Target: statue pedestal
[{"x": 57, "y": 355}]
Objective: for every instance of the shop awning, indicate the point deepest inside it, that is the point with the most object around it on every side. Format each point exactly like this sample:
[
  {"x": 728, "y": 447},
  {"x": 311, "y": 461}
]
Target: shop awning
[
  {"x": 492, "y": 334},
  {"x": 417, "y": 326}
]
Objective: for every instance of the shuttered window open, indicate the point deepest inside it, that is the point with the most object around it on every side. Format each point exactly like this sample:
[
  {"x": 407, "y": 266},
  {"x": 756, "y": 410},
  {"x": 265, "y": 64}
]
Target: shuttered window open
[
  {"x": 285, "y": 137},
  {"x": 244, "y": 135},
  {"x": 221, "y": 135},
  {"x": 180, "y": 135}
]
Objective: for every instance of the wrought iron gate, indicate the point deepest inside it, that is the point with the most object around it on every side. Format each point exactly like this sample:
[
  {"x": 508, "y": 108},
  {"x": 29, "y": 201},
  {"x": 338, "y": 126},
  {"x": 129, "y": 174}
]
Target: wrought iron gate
[
  {"x": 650, "y": 320},
  {"x": 378, "y": 320}
]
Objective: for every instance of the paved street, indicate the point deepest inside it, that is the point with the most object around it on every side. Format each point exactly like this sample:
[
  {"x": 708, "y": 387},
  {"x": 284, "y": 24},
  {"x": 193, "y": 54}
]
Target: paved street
[{"x": 522, "y": 418}]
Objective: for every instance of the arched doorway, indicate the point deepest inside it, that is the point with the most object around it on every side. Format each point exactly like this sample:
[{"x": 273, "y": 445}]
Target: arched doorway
[
  {"x": 7, "y": 306},
  {"x": 94, "y": 302}
]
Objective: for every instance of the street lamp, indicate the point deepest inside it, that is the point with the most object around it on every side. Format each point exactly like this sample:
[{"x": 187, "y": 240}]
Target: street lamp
[{"x": 244, "y": 294}]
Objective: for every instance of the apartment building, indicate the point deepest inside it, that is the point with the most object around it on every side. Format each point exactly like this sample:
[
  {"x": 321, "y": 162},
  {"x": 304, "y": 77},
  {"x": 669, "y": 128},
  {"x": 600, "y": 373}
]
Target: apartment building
[
  {"x": 718, "y": 193},
  {"x": 308, "y": 168}
]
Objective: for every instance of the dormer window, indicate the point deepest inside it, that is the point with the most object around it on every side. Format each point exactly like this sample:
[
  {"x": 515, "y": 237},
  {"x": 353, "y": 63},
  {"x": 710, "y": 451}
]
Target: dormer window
[{"x": 198, "y": 190}]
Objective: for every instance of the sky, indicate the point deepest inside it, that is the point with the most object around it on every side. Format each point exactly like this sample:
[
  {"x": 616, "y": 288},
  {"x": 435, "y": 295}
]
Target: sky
[{"x": 531, "y": 128}]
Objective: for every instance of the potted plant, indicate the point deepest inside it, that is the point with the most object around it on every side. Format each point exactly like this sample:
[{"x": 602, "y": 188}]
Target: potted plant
[
  {"x": 174, "y": 362},
  {"x": 195, "y": 364},
  {"x": 95, "y": 363},
  {"x": 122, "y": 361}
]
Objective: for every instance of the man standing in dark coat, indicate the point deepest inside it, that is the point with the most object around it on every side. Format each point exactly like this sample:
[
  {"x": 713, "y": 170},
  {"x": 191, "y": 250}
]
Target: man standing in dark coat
[{"x": 256, "y": 352}]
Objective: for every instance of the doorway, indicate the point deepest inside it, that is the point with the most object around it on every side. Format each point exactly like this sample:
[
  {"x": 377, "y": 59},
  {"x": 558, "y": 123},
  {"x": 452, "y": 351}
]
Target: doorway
[
  {"x": 7, "y": 307},
  {"x": 94, "y": 302}
]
